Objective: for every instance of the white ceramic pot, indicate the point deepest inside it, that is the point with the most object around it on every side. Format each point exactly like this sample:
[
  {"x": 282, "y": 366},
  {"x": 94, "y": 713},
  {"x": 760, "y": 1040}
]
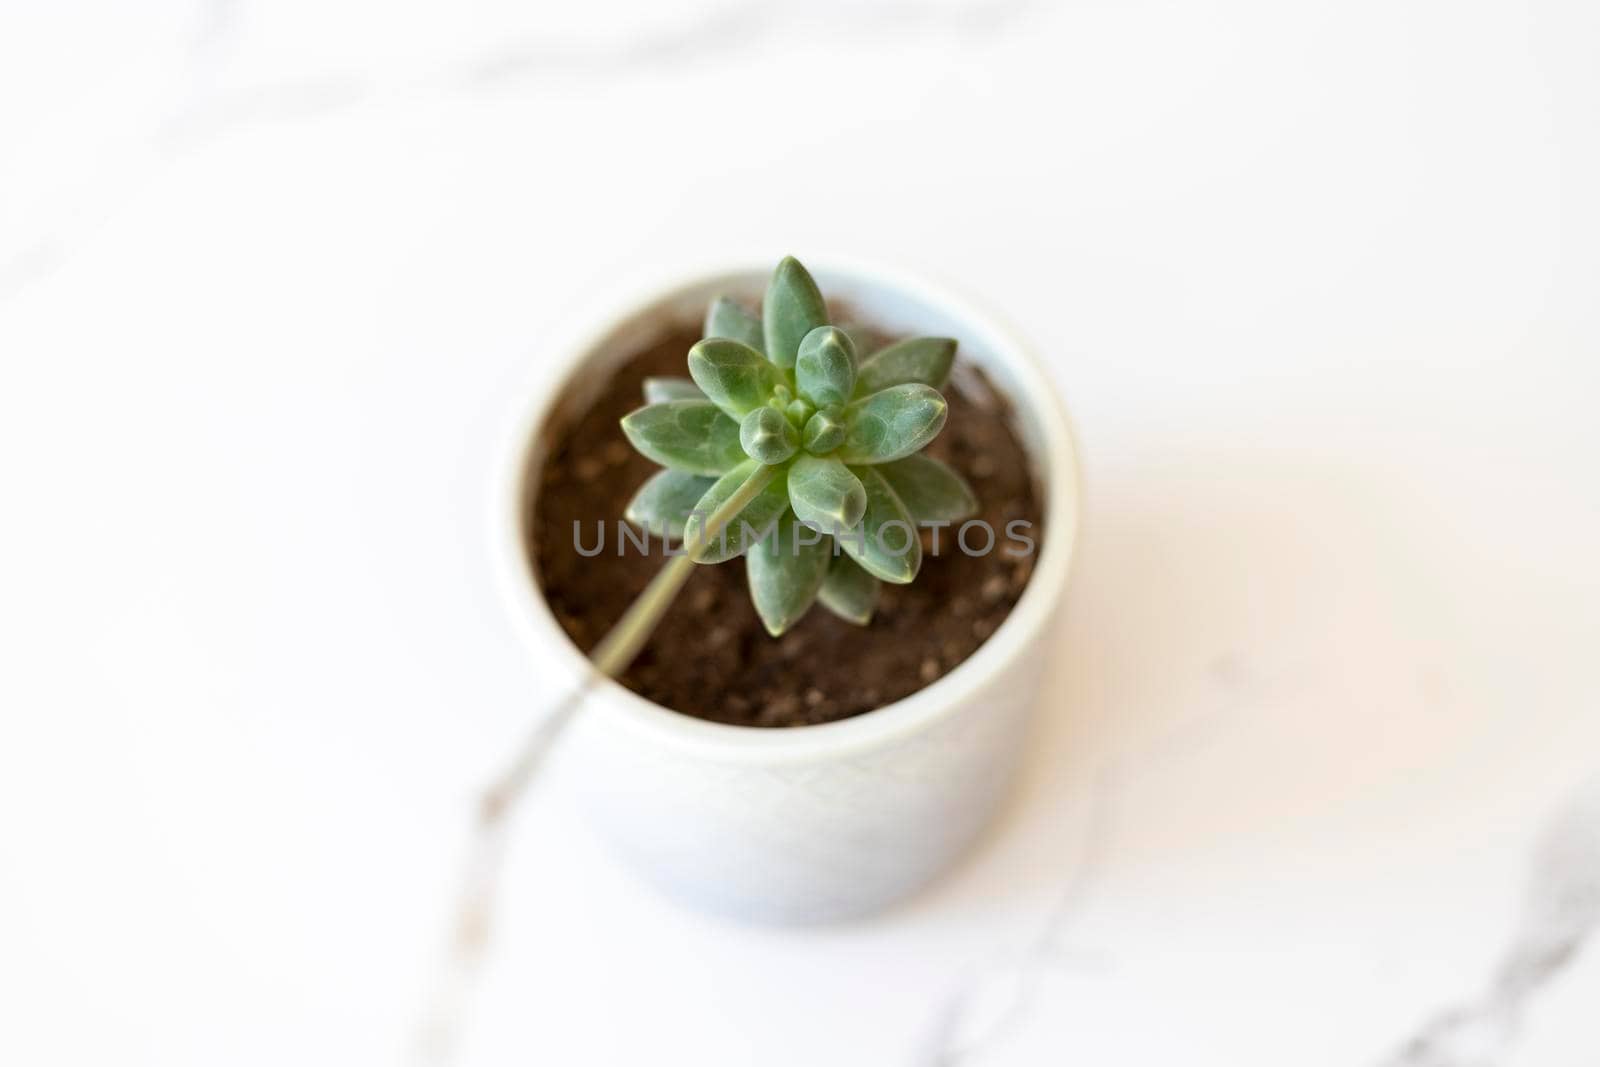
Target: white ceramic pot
[{"x": 816, "y": 822}]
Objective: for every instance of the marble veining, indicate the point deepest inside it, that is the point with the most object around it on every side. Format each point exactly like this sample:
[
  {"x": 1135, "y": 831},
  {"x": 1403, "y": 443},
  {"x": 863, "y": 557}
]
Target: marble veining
[
  {"x": 998, "y": 996},
  {"x": 1560, "y": 912},
  {"x": 209, "y": 104}
]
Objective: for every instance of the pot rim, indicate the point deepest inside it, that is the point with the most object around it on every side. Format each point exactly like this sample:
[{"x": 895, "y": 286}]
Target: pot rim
[{"x": 1032, "y": 389}]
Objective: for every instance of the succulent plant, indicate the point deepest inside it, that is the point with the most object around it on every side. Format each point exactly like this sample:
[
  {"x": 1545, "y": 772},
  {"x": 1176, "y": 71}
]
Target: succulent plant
[{"x": 816, "y": 444}]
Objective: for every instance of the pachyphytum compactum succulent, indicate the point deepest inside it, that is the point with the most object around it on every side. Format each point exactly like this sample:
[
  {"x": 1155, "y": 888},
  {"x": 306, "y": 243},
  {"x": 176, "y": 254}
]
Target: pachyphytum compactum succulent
[{"x": 786, "y": 398}]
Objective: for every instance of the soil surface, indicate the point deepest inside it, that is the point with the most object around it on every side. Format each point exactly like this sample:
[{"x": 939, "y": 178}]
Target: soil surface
[{"x": 711, "y": 657}]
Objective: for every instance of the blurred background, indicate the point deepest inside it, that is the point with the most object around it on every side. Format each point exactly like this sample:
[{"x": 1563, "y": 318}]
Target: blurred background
[{"x": 1318, "y": 282}]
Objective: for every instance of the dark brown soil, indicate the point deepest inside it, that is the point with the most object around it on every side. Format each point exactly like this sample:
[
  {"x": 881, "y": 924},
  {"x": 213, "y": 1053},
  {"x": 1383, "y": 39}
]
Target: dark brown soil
[{"x": 711, "y": 657}]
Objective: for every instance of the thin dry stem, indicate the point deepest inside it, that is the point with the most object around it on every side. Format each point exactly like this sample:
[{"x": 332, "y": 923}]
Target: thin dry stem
[{"x": 611, "y": 657}]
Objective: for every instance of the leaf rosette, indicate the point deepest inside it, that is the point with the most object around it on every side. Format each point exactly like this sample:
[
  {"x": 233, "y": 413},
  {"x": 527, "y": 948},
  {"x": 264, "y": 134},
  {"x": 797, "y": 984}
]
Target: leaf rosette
[{"x": 843, "y": 432}]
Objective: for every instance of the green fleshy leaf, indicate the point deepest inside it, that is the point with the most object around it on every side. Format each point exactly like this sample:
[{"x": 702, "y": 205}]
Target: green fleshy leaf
[
  {"x": 886, "y": 543},
  {"x": 767, "y": 436},
  {"x": 798, "y": 410},
  {"x": 686, "y": 435},
  {"x": 825, "y": 370},
  {"x": 662, "y": 504},
  {"x": 850, "y": 592},
  {"x": 824, "y": 431},
  {"x": 864, "y": 339},
  {"x": 793, "y": 308},
  {"x": 733, "y": 375},
  {"x": 786, "y": 572},
  {"x": 916, "y": 359},
  {"x": 931, "y": 491},
  {"x": 892, "y": 423},
  {"x": 661, "y": 390},
  {"x": 825, "y": 494},
  {"x": 758, "y": 515},
  {"x": 728, "y": 318}
]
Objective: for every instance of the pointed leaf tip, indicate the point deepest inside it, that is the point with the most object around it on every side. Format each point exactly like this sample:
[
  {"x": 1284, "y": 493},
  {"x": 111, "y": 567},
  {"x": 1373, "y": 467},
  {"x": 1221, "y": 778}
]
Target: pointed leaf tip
[
  {"x": 917, "y": 359},
  {"x": 793, "y": 308},
  {"x": 850, "y": 592},
  {"x": 728, "y": 318},
  {"x": 785, "y": 572}
]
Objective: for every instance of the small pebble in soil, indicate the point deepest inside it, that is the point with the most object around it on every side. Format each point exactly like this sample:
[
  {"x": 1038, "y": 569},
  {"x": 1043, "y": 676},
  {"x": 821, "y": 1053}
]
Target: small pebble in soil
[{"x": 783, "y": 709}]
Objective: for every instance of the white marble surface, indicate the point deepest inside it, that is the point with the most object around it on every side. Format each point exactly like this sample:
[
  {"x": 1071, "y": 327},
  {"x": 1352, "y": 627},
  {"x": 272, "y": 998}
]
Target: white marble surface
[{"x": 1318, "y": 281}]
